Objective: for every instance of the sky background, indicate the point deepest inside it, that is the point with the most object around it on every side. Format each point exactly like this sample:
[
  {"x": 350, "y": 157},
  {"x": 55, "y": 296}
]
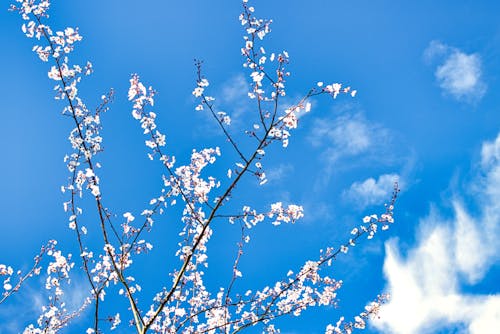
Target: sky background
[{"x": 426, "y": 114}]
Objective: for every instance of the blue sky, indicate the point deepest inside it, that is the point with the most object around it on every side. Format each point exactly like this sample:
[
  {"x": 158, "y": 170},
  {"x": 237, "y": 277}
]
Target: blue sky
[{"x": 426, "y": 113}]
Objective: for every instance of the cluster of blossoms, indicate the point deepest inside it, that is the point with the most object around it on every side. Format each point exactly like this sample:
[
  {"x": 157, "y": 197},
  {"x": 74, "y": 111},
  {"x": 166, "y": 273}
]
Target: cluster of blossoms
[
  {"x": 103, "y": 268},
  {"x": 289, "y": 296},
  {"x": 200, "y": 87},
  {"x": 189, "y": 177},
  {"x": 6, "y": 271},
  {"x": 335, "y": 89},
  {"x": 280, "y": 134},
  {"x": 141, "y": 98},
  {"x": 305, "y": 289},
  {"x": 371, "y": 311},
  {"x": 57, "y": 270},
  {"x": 285, "y": 215},
  {"x": 60, "y": 45},
  {"x": 371, "y": 223},
  {"x": 199, "y": 93},
  {"x": 278, "y": 213},
  {"x": 255, "y": 59},
  {"x": 81, "y": 177}
]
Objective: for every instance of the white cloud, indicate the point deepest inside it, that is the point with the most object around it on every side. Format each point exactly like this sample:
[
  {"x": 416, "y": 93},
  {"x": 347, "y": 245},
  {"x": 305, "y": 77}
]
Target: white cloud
[
  {"x": 371, "y": 191},
  {"x": 235, "y": 100},
  {"x": 425, "y": 296},
  {"x": 349, "y": 134},
  {"x": 490, "y": 154},
  {"x": 315, "y": 211},
  {"x": 425, "y": 286},
  {"x": 459, "y": 74},
  {"x": 234, "y": 89},
  {"x": 435, "y": 49},
  {"x": 346, "y": 135}
]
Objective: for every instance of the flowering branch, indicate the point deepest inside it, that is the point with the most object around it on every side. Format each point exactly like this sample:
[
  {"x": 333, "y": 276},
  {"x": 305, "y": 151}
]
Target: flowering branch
[{"x": 185, "y": 305}]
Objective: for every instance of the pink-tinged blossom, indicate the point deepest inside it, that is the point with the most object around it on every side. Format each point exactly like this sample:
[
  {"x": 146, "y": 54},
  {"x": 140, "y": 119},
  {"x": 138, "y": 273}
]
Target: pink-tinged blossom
[
  {"x": 285, "y": 215},
  {"x": 115, "y": 321},
  {"x": 136, "y": 88},
  {"x": 198, "y": 91},
  {"x": 190, "y": 176},
  {"x": 333, "y": 89},
  {"x": 141, "y": 98},
  {"x": 129, "y": 217},
  {"x": 290, "y": 120}
]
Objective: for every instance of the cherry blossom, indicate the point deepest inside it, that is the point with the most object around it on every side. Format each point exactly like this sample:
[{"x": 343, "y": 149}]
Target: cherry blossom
[{"x": 205, "y": 197}]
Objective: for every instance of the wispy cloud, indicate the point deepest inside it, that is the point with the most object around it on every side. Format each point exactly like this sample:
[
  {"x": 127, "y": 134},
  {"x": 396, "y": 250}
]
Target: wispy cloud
[
  {"x": 234, "y": 98},
  {"x": 371, "y": 191},
  {"x": 347, "y": 136},
  {"x": 426, "y": 285},
  {"x": 459, "y": 74},
  {"x": 279, "y": 172},
  {"x": 315, "y": 211}
]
